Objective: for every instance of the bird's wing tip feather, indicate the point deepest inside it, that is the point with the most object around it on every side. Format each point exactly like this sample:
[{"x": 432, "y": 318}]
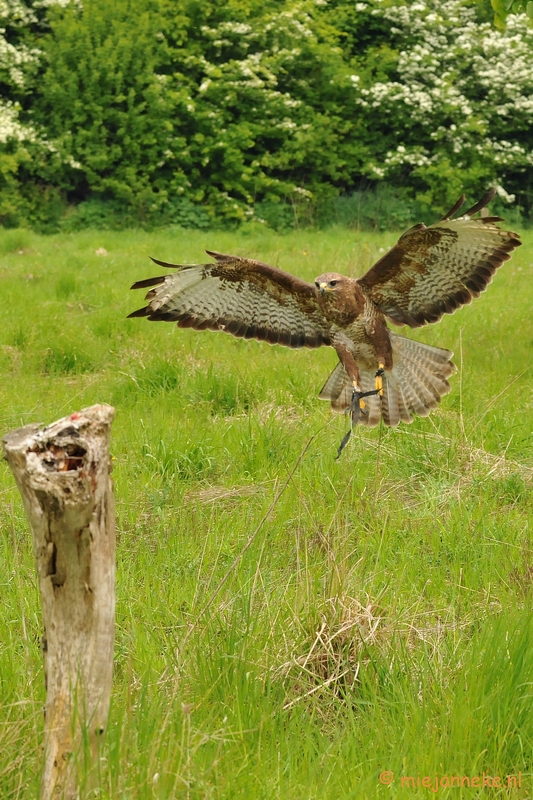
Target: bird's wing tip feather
[
  {"x": 141, "y": 312},
  {"x": 485, "y": 200},
  {"x": 219, "y": 256},
  {"x": 144, "y": 284},
  {"x": 453, "y": 209},
  {"x": 164, "y": 263}
]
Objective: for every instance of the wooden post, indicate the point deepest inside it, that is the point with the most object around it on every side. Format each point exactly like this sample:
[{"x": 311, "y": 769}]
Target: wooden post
[{"x": 63, "y": 473}]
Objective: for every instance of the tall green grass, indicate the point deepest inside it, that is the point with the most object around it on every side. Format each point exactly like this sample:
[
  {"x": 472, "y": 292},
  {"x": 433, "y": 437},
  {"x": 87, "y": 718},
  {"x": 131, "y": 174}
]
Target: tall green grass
[{"x": 376, "y": 616}]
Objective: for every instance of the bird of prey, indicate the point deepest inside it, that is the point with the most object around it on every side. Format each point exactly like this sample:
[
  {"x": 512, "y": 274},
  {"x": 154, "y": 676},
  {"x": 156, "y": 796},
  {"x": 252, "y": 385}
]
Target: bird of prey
[{"x": 431, "y": 271}]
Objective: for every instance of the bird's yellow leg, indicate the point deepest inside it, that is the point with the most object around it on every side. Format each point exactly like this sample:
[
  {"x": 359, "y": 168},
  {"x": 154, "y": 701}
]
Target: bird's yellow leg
[{"x": 379, "y": 378}]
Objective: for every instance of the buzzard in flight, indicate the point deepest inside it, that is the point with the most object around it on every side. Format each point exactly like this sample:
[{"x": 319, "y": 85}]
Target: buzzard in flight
[{"x": 431, "y": 271}]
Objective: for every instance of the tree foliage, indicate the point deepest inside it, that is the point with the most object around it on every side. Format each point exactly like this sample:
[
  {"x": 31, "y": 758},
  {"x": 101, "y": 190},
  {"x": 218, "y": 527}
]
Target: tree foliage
[
  {"x": 200, "y": 112},
  {"x": 502, "y": 9},
  {"x": 459, "y": 98}
]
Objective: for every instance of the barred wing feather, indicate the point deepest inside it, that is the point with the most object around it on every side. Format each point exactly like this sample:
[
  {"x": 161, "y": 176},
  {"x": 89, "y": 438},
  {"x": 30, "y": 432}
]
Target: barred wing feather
[
  {"x": 240, "y": 296},
  {"x": 433, "y": 271}
]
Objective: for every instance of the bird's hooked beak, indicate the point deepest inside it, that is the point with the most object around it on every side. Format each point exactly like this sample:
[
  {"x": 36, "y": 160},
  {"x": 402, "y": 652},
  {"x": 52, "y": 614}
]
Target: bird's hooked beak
[{"x": 323, "y": 287}]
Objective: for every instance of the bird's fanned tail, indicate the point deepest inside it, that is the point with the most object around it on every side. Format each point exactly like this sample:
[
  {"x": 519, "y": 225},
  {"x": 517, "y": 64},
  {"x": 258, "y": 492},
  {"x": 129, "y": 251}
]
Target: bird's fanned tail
[{"x": 413, "y": 387}]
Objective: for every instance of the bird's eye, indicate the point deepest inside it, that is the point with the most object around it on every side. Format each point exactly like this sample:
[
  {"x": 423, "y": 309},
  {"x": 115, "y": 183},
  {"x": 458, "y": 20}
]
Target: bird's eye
[
  {"x": 317, "y": 284},
  {"x": 333, "y": 283}
]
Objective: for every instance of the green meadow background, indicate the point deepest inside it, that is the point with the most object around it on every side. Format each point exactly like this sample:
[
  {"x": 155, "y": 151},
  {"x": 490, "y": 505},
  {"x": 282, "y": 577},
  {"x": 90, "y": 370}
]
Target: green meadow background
[{"x": 288, "y": 625}]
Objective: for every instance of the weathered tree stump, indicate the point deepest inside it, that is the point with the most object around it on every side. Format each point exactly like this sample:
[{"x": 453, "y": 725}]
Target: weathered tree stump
[{"x": 63, "y": 473}]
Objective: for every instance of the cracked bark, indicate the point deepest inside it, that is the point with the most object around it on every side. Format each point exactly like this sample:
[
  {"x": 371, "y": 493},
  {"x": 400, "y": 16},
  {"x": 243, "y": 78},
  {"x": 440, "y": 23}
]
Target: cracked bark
[{"x": 63, "y": 474}]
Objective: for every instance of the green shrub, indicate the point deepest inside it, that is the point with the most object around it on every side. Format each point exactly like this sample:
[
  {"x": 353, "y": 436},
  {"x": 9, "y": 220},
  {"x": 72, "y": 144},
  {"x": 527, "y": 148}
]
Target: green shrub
[{"x": 290, "y": 113}]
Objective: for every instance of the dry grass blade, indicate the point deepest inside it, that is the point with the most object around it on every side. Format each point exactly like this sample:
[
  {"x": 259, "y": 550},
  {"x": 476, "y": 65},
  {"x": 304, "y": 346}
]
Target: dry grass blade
[
  {"x": 337, "y": 650},
  {"x": 323, "y": 685},
  {"x": 216, "y": 494}
]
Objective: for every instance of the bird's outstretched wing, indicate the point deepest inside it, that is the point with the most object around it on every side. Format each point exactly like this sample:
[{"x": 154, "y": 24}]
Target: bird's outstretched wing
[
  {"x": 433, "y": 271},
  {"x": 240, "y": 296}
]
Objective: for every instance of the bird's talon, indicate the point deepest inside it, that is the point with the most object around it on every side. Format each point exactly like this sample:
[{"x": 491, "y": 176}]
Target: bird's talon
[{"x": 358, "y": 405}]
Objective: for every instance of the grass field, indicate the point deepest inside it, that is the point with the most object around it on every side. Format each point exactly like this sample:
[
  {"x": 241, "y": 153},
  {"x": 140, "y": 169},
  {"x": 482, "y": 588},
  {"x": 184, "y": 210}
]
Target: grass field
[{"x": 374, "y": 616}]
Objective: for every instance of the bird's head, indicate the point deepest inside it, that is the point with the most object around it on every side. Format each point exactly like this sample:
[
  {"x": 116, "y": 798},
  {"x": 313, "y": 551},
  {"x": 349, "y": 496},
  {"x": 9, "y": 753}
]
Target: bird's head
[
  {"x": 329, "y": 282},
  {"x": 340, "y": 298}
]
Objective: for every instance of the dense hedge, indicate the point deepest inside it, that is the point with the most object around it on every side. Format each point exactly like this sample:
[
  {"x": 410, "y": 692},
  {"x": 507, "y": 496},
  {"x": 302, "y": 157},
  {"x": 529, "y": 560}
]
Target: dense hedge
[{"x": 202, "y": 112}]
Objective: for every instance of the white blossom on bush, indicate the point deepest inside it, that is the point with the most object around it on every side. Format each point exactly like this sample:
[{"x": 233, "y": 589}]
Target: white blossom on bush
[
  {"x": 10, "y": 127},
  {"x": 13, "y": 59},
  {"x": 463, "y": 95}
]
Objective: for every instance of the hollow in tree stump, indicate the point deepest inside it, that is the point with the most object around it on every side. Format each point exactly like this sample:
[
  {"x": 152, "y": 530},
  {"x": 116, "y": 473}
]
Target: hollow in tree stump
[{"x": 63, "y": 473}]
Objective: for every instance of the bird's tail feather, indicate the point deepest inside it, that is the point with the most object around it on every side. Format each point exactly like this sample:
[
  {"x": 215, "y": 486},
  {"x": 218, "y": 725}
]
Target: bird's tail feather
[{"x": 414, "y": 385}]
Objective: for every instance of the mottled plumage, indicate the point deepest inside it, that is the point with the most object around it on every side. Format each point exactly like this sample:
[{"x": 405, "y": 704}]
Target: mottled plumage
[{"x": 431, "y": 271}]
